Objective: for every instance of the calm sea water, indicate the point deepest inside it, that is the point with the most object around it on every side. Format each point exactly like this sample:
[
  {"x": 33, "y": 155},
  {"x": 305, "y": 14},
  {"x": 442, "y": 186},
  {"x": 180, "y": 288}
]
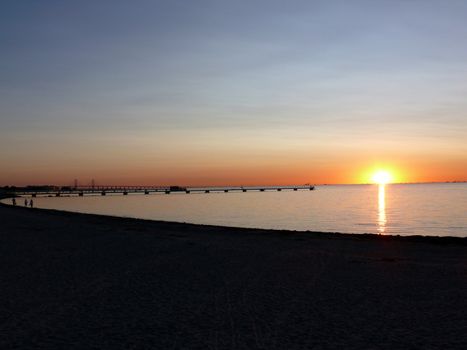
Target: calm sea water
[{"x": 424, "y": 209}]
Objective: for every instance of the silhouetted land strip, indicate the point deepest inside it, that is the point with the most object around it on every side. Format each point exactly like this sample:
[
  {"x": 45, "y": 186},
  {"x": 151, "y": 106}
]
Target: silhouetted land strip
[{"x": 87, "y": 281}]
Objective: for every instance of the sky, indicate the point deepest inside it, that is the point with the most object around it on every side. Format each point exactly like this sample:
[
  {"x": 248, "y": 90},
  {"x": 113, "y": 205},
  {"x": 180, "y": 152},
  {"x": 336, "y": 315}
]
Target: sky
[{"x": 232, "y": 92}]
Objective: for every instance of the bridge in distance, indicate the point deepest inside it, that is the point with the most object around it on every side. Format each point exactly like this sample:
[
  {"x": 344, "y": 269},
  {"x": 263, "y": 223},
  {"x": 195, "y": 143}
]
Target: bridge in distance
[{"x": 125, "y": 190}]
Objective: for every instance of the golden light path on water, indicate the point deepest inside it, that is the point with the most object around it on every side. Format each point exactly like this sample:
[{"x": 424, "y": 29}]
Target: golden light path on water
[{"x": 382, "y": 209}]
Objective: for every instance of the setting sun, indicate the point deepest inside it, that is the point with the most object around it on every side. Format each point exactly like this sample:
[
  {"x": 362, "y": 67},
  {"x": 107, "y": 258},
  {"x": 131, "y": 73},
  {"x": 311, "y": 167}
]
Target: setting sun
[{"x": 382, "y": 177}]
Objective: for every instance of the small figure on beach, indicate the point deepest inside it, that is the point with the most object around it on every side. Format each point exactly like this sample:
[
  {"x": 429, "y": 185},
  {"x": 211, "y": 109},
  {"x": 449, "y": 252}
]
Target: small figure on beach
[
  {"x": 13, "y": 200},
  {"x": 25, "y": 202},
  {"x": 31, "y": 203}
]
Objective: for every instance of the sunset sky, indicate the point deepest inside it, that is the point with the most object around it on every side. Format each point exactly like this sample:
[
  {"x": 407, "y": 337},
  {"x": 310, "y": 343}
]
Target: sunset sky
[{"x": 232, "y": 92}]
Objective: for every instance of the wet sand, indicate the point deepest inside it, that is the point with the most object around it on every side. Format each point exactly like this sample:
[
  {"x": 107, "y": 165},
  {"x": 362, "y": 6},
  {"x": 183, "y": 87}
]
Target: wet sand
[{"x": 77, "y": 281}]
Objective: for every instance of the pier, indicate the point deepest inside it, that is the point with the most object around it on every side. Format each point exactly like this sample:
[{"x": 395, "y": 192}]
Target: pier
[{"x": 79, "y": 191}]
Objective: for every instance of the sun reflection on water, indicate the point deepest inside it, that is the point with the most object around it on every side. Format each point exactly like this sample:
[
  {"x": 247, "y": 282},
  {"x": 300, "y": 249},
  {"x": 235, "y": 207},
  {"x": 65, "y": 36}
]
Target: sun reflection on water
[{"x": 382, "y": 209}]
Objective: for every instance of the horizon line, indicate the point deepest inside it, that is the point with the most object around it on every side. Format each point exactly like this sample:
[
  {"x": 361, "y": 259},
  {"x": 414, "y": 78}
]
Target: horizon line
[{"x": 226, "y": 185}]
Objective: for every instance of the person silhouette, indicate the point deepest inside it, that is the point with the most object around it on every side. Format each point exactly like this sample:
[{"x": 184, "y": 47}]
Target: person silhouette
[
  {"x": 31, "y": 203},
  {"x": 13, "y": 200},
  {"x": 25, "y": 202}
]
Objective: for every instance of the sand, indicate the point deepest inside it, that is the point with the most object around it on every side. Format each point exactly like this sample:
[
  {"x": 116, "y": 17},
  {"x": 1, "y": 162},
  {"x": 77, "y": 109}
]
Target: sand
[{"x": 76, "y": 281}]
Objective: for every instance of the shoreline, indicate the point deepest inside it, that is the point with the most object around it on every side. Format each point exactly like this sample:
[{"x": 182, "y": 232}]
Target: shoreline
[{"x": 323, "y": 234}]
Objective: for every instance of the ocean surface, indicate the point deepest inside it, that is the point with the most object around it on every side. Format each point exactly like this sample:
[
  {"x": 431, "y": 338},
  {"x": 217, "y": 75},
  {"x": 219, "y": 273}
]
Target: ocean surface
[{"x": 415, "y": 209}]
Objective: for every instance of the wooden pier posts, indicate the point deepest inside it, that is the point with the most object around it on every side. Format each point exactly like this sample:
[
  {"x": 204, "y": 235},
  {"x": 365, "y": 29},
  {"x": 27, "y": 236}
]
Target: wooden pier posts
[{"x": 127, "y": 190}]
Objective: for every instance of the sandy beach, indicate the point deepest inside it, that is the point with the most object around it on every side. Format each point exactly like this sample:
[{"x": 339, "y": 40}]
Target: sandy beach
[{"x": 76, "y": 281}]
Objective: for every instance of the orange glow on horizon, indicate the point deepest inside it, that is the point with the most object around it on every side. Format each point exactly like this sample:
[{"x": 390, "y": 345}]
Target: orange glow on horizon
[{"x": 246, "y": 171}]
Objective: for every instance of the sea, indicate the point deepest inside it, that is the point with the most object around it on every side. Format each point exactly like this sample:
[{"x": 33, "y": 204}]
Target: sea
[{"x": 393, "y": 209}]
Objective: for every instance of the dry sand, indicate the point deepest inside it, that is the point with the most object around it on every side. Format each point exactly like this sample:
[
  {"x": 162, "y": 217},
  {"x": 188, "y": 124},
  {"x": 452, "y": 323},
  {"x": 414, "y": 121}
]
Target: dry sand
[{"x": 75, "y": 281}]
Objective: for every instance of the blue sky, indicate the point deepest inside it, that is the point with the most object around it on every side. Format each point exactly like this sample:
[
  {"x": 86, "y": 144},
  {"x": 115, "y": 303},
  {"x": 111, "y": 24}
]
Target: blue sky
[{"x": 87, "y": 83}]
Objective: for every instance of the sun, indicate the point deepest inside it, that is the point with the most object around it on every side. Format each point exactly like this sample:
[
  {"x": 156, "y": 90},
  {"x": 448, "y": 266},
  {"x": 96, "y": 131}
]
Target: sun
[{"x": 382, "y": 177}]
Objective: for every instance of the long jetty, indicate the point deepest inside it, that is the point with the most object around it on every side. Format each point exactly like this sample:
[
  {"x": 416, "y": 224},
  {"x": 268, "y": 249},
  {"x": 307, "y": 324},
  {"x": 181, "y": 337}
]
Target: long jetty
[{"x": 125, "y": 190}]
